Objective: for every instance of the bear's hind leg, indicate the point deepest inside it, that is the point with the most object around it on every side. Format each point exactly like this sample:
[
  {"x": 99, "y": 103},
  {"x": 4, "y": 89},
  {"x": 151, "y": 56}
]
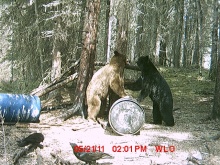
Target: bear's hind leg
[
  {"x": 102, "y": 111},
  {"x": 167, "y": 116},
  {"x": 157, "y": 118},
  {"x": 94, "y": 108}
]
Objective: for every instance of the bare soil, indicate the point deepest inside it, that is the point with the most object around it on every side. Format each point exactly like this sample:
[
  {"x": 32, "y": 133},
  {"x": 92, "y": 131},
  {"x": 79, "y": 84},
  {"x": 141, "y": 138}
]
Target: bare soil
[{"x": 193, "y": 140}]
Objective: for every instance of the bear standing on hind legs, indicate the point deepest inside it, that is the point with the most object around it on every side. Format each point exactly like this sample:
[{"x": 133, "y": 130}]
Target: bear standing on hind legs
[
  {"x": 108, "y": 77},
  {"x": 152, "y": 84}
]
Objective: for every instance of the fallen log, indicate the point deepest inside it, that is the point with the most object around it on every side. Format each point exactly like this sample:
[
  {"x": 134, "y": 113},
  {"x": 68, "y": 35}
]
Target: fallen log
[
  {"x": 67, "y": 77},
  {"x": 42, "y": 90}
]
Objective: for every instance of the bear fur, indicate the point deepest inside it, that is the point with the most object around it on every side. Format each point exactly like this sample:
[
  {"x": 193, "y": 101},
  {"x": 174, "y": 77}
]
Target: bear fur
[
  {"x": 152, "y": 84},
  {"x": 108, "y": 77}
]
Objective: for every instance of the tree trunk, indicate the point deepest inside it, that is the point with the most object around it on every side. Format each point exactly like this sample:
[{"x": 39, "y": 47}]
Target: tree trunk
[
  {"x": 216, "y": 104},
  {"x": 112, "y": 28},
  {"x": 155, "y": 40},
  {"x": 161, "y": 30},
  {"x": 185, "y": 39},
  {"x": 195, "y": 60},
  {"x": 107, "y": 45},
  {"x": 56, "y": 65},
  {"x": 162, "y": 53},
  {"x": 179, "y": 19},
  {"x": 82, "y": 20},
  {"x": 56, "y": 61},
  {"x": 200, "y": 34},
  {"x": 212, "y": 71},
  {"x": 139, "y": 42},
  {"x": 38, "y": 40},
  {"x": 122, "y": 35},
  {"x": 87, "y": 58},
  {"x": 190, "y": 43}
]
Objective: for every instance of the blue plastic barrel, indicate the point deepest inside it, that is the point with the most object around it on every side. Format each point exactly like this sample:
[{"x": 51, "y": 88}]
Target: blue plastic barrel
[{"x": 20, "y": 107}]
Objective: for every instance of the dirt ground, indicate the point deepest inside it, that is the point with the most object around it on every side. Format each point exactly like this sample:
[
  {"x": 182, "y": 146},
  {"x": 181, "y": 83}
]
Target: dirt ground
[{"x": 193, "y": 139}]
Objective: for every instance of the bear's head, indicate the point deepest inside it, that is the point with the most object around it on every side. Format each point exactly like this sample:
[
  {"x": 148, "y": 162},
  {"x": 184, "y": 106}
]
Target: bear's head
[
  {"x": 118, "y": 60},
  {"x": 144, "y": 63}
]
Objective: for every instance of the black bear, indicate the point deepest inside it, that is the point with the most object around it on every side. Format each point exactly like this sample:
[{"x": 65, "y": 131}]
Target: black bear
[
  {"x": 152, "y": 84},
  {"x": 109, "y": 77}
]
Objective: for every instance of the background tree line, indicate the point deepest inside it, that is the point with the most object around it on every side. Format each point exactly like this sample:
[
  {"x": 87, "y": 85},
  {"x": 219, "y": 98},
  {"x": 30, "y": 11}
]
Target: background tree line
[{"x": 42, "y": 38}]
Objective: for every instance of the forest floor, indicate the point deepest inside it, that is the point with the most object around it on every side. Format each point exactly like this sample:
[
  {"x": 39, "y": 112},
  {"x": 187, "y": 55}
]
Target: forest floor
[{"x": 193, "y": 140}]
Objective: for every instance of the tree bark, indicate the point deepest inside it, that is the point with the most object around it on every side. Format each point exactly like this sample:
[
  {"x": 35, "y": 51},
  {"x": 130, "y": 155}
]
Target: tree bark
[
  {"x": 82, "y": 20},
  {"x": 200, "y": 34},
  {"x": 162, "y": 53},
  {"x": 195, "y": 60},
  {"x": 178, "y": 41},
  {"x": 122, "y": 35},
  {"x": 185, "y": 39},
  {"x": 87, "y": 58},
  {"x": 38, "y": 48},
  {"x": 216, "y": 104},
  {"x": 107, "y": 28},
  {"x": 212, "y": 71},
  {"x": 56, "y": 65},
  {"x": 56, "y": 60},
  {"x": 139, "y": 41},
  {"x": 161, "y": 30}
]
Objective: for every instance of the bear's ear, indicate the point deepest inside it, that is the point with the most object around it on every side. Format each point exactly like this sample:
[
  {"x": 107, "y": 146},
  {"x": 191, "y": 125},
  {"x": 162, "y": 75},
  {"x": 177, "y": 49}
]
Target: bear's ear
[{"x": 116, "y": 53}]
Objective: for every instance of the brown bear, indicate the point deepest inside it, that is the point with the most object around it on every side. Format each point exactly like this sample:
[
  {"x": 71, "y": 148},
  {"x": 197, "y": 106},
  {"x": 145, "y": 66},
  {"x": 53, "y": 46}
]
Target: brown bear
[{"x": 108, "y": 77}]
